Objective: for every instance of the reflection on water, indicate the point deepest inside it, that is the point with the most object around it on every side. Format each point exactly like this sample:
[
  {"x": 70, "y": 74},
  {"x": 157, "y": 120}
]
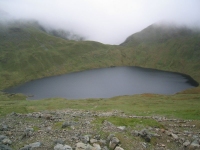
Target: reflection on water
[{"x": 105, "y": 83}]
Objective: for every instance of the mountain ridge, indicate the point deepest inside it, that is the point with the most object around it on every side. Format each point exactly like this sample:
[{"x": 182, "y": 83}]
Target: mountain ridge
[
  {"x": 28, "y": 53},
  {"x": 159, "y": 33}
]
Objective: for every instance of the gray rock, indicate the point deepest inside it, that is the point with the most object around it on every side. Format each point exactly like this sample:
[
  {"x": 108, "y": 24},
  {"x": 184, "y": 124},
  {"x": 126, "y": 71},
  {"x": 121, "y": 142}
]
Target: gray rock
[
  {"x": 194, "y": 144},
  {"x": 7, "y": 141},
  {"x": 186, "y": 143},
  {"x": 58, "y": 147},
  {"x": 29, "y": 129},
  {"x": 121, "y": 128},
  {"x": 2, "y": 137},
  {"x": 36, "y": 144},
  {"x": 143, "y": 132},
  {"x": 96, "y": 146},
  {"x": 174, "y": 136},
  {"x": 66, "y": 124},
  {"x": 82, "y": 146},
  {"x": 5, "y": 147},
  {"x": 47, "y": 116},
  {"x": 28, "y": 132},
  {"x": 194, "y": 137},
  {"x": 93, "y": 141},
  {"x": 110, "y": 137},
  {"x": 85, "y": 139},
  {"x": 105, "y": 148},
  {"x": 97, "y": 137},
  {"x": 67, "y": 147},
  {"x": 14, "y": 114},
  {"x": 48, "y": 129},
  {"x": 4, "y": 128},
  {"x": 145, "y": 135},
  {"x": 27, "y": 147},
  {"x": 59, "y": 141},
  {"x": 88, "y": 147},
  {"x": 102, "y": 142},
  {"x": 62, "y": 147},
  {"x": 135, "y": 133},
  {"x": 168, "y": 133},
  {"x": 118, "y": 148},
  {"x": 113, "y": 143},
  {"x": 107, "y": 123}
]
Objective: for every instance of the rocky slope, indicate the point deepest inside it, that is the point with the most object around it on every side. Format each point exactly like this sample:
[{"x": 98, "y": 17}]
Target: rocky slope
[{"x": 76, "y": 129}]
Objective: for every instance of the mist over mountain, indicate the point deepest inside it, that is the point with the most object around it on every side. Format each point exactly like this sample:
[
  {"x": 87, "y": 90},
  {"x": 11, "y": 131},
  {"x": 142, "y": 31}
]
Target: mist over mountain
[
  {"x": 6, "y": 25},
  {"x": 105, "y": 21},
  {"x": 160, "y": 32}
]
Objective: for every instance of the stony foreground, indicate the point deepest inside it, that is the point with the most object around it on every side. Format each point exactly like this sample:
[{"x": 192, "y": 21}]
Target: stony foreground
[{"x": 78, "y": 130}]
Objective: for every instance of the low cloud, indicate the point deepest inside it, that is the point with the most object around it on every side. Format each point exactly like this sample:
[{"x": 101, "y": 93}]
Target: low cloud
[{"x": 106, "y": 21}]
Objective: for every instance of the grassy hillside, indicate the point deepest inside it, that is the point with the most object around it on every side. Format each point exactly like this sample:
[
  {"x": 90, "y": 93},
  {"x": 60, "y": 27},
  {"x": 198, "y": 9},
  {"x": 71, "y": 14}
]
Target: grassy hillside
[
  {"x": 28, "y": 53},
  {"x": 165, "y": 47}
]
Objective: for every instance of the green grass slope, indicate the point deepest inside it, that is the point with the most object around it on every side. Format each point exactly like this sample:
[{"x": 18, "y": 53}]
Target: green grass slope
[
  {"x": 28, "y": 53},
  {"x": 165, "y": 47}
]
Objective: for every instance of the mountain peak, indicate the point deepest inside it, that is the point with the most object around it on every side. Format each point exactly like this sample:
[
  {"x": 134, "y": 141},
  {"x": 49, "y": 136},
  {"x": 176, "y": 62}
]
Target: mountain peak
[{"x": 159, "y": 32}]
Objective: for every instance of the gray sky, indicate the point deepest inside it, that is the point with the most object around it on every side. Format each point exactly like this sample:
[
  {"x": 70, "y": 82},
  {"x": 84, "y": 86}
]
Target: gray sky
[{"x": 106, "y": 21}]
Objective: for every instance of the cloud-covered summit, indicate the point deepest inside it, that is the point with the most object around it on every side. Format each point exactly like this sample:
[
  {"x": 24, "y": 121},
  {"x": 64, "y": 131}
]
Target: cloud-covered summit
[{"x": 106, "y": 21}]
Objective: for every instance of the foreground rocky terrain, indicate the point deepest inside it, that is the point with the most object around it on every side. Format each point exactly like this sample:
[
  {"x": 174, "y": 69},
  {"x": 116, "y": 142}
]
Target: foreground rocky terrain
[{"x": 87, "y": 130}]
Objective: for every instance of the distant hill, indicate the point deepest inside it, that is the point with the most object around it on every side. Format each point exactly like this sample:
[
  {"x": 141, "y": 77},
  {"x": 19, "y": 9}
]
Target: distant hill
[
  {"x": 165, "y": 47},
  {"x": 159, "y": 33},
  {"x": 28, "y": 52}
]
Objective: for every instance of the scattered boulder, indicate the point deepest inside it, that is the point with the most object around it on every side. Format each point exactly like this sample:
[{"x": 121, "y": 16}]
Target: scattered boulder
[
  {"x": 186, "y": 143},
  {"x": 194, "y": 144},
  {"x": 26, "y": 147},
  {"x": 96, "y": 146},
  {"x": 47, "y": 116},
  {"x": 85, "y": 135},
  {"x": 118, "y": 148},
  {"x": 59, "y": 141},
  {"x": 174, "y": 136},
  {"x": 110, "y": 137},
  {"x": 66, "y": 124},
  {"x": 105, "y": 148},
  {"x": 2, "y": 137},
  {"x": 85, "y": 139},
  {"x": 36, "y": 144},
  {"x": 145, "y": 135},
  {"x": 48, "y": 129},
  {"x": 93, "y": 141},
  {"x": 28, "y": 132},
  {"x": 82, "y": 146},
  {"x": 31, "y": 146},
  {"x": 169, "y": 133},
  {"x": 135, "y": 133},
  {"x": 62, "y": 147},
  {"x": 4, "y": 147},
  {"x": 102, "y": 142},
  {"x": 4, "y": 128},
  {"x": 121, "y": 128},
  {"x": 114, "y": 141},
  {"x": 6, "y": 141}
]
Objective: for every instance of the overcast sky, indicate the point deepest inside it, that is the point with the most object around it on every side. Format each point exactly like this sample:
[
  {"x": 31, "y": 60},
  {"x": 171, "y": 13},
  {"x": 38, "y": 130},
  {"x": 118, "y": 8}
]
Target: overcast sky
[{"x": 106, "y": 21}]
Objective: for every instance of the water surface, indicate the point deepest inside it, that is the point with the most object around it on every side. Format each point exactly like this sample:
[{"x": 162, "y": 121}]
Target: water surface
[{"x": 105, "y": 83}]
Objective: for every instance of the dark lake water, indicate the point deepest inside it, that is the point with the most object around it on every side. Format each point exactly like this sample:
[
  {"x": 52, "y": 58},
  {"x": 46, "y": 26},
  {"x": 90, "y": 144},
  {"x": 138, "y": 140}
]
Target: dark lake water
[{"x": 105, "y": 83}]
